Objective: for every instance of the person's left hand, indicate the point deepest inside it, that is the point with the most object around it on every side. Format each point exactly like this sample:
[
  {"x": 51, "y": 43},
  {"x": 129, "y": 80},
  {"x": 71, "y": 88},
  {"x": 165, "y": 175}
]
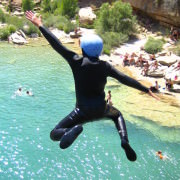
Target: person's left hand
[{"x": 34, "y": 19}]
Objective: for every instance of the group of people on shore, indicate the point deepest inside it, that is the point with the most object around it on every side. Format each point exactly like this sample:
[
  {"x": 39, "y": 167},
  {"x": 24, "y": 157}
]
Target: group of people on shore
[
  {"x": 148, "y": 64},
  {"x": 139, "y": 61}
]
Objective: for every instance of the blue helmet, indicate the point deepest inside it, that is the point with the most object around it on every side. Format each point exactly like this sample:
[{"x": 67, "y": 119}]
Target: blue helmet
[{"x": 92, "y": 45}]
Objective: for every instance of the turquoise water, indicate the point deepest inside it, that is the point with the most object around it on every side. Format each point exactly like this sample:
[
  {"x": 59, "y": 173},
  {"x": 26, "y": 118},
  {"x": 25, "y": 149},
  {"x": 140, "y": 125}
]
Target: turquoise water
[{"x": 26, "y": 151}]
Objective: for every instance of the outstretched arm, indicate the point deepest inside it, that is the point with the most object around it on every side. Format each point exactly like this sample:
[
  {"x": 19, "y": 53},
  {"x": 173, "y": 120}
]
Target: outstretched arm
[
  {"x": 130, "y": 82},
  {"x": 52, "y": 39}
]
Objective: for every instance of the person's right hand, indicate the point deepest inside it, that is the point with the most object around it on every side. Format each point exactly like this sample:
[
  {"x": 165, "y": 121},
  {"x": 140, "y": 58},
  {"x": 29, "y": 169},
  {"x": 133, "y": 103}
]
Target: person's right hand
[
  {"x": 34, "y": 19},
  {"x": 153, "y": 95}
]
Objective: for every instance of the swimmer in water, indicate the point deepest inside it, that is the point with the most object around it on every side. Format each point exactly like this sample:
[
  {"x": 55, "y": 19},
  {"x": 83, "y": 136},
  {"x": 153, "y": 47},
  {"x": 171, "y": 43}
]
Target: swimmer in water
[
  {"x": 90, "y": 77},
  {"x": 29, "y": 93},
  {"x": 19, "y": 92},
  {"x": 161, "y": 156}
]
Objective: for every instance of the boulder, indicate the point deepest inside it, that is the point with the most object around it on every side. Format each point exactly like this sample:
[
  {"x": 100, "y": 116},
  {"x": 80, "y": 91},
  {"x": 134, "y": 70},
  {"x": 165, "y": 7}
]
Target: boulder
[
  {"x": 21, "y": 33},
  {"x": 173, "y": 74},
  {"x": 17, "y": 13},
  {"x": 2, "y": 25},
  {"x": 176, "y": 88},
  {"x": 86, "y": 15},
  {"x": 165, "y": 11},
  {"x": 17, "y": 38},
  {"x": 156, "y": 73},
  {"x": 163, "y": 53},
  {"x": 74, "y": 35},
  {"x": 64, "y": 38},
  {"x": 59, "y": 34},
  {"x": 34, "y": 35},
  {"x": 166, "y": 60}
]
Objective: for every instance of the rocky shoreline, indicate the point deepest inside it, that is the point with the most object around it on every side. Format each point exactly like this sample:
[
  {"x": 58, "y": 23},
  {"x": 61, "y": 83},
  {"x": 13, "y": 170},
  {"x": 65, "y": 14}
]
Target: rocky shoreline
[{"x": 166, "y": 59}]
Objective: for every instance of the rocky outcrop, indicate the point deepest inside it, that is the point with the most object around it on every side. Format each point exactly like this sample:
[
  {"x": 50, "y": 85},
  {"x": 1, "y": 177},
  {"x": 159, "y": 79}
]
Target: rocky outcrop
[
  {"x": 167, "y": 60},
  {"x": 96, "y": 3},
  {"x": 86, "y": 15},
  {"x": 173, "y": 73},
  {"x": 165, "y": 11},
  {"x": 156, "y": 73},
  {"x": 18, "y": 38}
]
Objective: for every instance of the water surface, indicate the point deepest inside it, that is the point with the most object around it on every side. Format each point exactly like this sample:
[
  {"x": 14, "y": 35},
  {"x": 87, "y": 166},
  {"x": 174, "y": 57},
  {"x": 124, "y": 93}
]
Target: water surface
[{"x": 26, "y": 151}]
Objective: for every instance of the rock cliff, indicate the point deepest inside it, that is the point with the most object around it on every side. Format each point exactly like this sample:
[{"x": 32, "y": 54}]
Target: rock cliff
[{"x": 165, "y": 11}]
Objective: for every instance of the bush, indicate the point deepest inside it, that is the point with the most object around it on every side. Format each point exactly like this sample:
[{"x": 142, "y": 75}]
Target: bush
[
  {"x": 153, "y": 46},
  {"x": 67, "y": 8},
  {"x": 7, "y": 31},
  {"x": 18, "y": 22},
  {"x": 46, "y": 5},
  {"x": 59, "y": 22},
  {"x": 176, "y": 50},
  {"x": 117, "y": 18},
  {"x": 115, "y": 24},
  {"x": 87, "y": 26},
  {"x": 4, "y": 33},
  {"x": 12, "y": 28},
  {"x": 107, "y": 49},
  {"x": 32, "y": 29},
  {"x": 2, "y": 16},
  {"x": 113, "y": 39},
  {"x": 27, "y": 5},
  {"x": 61, "y": 7}
]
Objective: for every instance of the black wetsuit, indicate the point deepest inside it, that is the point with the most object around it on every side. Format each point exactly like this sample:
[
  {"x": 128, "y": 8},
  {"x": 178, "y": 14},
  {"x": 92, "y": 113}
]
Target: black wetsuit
[{"x": 90, "y": 76}]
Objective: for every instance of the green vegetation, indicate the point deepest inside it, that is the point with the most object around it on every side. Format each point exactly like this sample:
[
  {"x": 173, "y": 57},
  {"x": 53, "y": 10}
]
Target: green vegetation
[
  {"x": 154, "y": 46},
  {"x": 115, "y": 24},
  {"x": 176, "y": 50},
  {"x": 2, "y": 16},
  {"x": 15, "y": 23},
  {"x": 27, "y": 5},
  {"x": 6, "y": 31},
  {"x": 50, "y": 20},
  {"x": 46, "y": 5},
  {"x": 113, "y": 39},
  {"x": 60, "y": 22},
  {"x": 58, "y": 13},
  {"x": 66, "y": 8}
]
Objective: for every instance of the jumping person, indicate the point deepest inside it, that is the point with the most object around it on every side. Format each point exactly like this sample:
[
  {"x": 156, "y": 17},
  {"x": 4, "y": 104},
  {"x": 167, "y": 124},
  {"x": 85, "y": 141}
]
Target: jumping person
[{"x": 90, "y": 76}]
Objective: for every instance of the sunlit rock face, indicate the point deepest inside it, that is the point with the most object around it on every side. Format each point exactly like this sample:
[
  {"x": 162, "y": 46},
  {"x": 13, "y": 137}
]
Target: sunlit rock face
[{"x": 165, "y": 11}]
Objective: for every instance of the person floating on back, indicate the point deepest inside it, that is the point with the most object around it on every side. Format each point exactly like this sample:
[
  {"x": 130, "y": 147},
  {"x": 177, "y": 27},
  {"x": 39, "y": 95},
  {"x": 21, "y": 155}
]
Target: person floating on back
[{"x": 90, "y": 77}]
